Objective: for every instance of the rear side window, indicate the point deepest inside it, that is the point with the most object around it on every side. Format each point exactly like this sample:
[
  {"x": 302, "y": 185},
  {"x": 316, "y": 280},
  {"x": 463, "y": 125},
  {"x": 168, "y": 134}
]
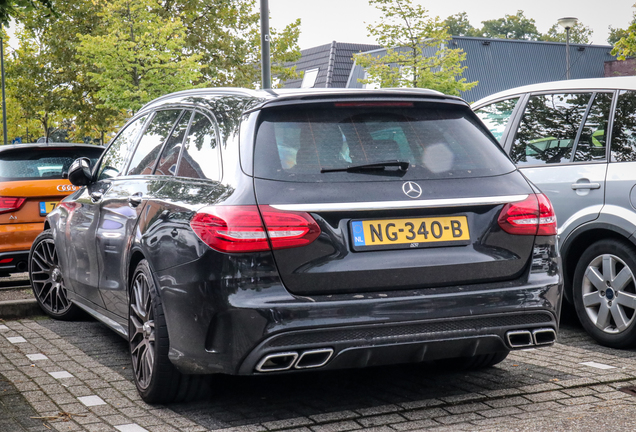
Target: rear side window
[
  {"x": 592, "y": 143},
  {"x": 497, "y": 115},
  {"x": 624, "y": 130},
  {"x": 118, "y": 151},
  {"x": 147, "y": 152},
  {"x": 170, "y": 155},
  {"x": 548, "y": 128},
  {"x": 200, "y": 155},
  {"x": 45, "y": 163},
  {"x": 317, "y": 143}
]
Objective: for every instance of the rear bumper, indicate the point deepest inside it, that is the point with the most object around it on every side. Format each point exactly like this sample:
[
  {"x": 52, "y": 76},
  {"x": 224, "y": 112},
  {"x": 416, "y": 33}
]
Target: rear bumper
[
  {"x": 14, "y": 262},
  {"x": 230, "y": 326}
]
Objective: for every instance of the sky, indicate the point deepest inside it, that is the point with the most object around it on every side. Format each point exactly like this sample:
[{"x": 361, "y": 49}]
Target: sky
[{"x": 324, "y": 21}]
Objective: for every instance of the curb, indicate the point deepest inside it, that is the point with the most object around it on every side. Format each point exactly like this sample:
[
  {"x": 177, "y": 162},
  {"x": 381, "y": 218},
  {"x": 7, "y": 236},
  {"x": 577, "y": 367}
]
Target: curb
[{"x": 12, "y": 309}]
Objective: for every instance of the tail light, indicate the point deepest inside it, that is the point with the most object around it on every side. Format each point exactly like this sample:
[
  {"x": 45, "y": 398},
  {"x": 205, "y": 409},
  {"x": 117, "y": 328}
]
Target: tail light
[
  {"x": 532, "y": 216},
  {"x": 241, "y": 228},
  {"x": 10, "y": 204}
]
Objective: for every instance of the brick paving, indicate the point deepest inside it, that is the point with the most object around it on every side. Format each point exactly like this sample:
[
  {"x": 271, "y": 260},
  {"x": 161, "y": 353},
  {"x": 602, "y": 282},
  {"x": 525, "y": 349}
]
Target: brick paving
[{"x": 76, "y": 377}]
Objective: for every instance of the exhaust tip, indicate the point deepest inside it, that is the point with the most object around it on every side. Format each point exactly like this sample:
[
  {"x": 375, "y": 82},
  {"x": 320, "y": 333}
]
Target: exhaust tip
[
  {"x": 277, "y": 362},
  {"x": 544, "y": 336},
  {"x": 314, "y": 358},
  {"x": 519, "y": 338}
]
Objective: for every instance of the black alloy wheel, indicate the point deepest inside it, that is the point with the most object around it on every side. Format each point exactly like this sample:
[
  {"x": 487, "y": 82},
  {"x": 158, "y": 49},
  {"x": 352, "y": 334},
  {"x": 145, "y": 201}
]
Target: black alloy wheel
[
  {"x": 604, "y": 292},
  {"x": 47, "y": 279},
  {"x": 156, "y": 378}
]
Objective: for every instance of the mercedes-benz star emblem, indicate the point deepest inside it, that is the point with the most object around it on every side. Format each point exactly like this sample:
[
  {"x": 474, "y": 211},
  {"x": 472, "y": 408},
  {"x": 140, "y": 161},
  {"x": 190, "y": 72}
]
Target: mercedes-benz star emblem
[{"x": 412, "y": 189}]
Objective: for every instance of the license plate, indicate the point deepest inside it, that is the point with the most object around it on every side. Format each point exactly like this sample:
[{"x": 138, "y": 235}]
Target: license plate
[
  {"x": 47, "y": 206},
  {"x": 410, "y": 233}
]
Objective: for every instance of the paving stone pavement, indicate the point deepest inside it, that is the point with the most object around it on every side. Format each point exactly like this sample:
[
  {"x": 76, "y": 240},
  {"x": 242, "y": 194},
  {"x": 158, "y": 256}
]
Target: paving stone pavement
[{"x": 75, "y": 377}]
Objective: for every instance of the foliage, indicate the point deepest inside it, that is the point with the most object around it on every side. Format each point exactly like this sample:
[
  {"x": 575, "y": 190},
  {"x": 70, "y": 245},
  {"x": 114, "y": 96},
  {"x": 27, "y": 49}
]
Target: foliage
[
  {"x": 141, "y": 57},
  {"x": 417, "y": 52},
  {"x": 226, "y": 34},
  {"x": 57, "y": 38},
  {"x": 18, "y": 8},
  {"x": 579, "y": 33},
  {"x": 510, "y": 27},
  {"x": 458, "y": 25},
  {"x": 616, "y": 34},
  {"x": 34, "y": 84}
]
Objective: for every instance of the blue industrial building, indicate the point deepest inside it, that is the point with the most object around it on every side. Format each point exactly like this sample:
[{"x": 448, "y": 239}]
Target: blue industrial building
[{"x": 497, "y": 64}]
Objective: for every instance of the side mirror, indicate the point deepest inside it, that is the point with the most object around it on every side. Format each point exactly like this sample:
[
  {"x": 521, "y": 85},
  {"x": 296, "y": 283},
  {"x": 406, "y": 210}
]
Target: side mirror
[{"x": 79, "y": 173}]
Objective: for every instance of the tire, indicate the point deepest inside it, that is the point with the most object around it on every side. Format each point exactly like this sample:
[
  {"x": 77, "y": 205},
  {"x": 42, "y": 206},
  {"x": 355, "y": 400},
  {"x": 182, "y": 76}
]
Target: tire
[
  {"x": 479, "y": 361},
  {"x": 604, "y": 293},
  {"x": 47, "y": 280},
  {"x": 156, "y": 378}
]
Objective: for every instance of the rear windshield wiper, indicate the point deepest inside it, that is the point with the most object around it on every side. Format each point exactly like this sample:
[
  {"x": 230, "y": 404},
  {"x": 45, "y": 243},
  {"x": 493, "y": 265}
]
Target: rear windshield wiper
[{"x": 376, "y": 166}]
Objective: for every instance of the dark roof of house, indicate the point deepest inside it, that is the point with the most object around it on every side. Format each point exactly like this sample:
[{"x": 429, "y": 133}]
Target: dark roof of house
[
  {"x": 501, "y": 64},
  {"x": 333, "y": 60}
]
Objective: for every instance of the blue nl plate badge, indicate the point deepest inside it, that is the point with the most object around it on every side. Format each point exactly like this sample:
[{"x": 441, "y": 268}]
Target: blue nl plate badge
[{"x": 358, "y": 233}]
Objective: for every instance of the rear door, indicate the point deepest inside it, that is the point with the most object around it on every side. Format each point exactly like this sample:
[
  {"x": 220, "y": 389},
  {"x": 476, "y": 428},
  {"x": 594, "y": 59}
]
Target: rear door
[
  {"x": 429, "y": 223},
  {"x": 560, "y": 145},
  {"x": 123, "y": 202}
]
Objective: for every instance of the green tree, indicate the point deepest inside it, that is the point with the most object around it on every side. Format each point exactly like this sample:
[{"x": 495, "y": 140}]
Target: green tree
[
  {"x": 58, "y": 39},
  {"x": 417, "y": 52},
  {"x": 226, "y": 34},
  {"x": 34, "y": 84},
  {"x": 18, "y": 8},
  {"x": 458, "y": 25},
  {"x": 616, "y": 34},
  {"x": 510, "y": 27},
  {"x": 579, "y": 33},
  {"x": 140, "y": 57}
]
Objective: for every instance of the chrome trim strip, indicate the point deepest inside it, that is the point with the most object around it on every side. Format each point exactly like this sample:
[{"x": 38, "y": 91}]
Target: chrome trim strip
[{"x": 395, "y": 205}]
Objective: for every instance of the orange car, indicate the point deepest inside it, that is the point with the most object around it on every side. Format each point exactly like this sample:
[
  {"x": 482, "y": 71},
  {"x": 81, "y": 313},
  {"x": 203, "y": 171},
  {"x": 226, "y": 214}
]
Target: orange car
[{"x": 32, "y": 183}]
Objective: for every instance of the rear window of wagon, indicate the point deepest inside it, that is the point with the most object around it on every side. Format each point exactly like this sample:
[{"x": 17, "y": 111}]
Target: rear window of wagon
[
  {"x": 42, "y": 163},
  {"x": 296, "y": 143}
]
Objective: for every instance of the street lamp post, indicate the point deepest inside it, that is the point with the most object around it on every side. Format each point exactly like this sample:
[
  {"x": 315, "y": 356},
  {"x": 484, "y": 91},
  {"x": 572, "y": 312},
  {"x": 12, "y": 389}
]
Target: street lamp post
[
  {"x": 567, "y": 23},
  {"x": 266, "y": 76}
]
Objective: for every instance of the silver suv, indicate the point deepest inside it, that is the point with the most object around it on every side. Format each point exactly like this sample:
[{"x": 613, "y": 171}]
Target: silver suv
[{"x": 576, "y": 141}]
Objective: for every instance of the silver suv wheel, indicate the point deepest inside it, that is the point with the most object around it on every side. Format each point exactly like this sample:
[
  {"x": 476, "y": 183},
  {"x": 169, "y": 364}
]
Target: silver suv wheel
[
  {"x": 604, "y": 292},
  {"x": 608, "y": 303}
]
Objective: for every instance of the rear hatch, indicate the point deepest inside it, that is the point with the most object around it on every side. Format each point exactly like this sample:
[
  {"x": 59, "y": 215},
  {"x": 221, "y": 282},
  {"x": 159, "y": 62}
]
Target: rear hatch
[
  {"x": 423, "y": 214},
  {"x": 32, "y": 180}
]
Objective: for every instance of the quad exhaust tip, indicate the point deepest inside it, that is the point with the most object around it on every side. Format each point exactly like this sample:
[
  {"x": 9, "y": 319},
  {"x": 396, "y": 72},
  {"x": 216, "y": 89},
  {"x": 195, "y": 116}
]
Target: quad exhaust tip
[
  {"x": 519, "y": 338},
  {"x": 309, "y": 359},
  {"x": 527, "y": 338},
  {"x": 544, "y": 336}
]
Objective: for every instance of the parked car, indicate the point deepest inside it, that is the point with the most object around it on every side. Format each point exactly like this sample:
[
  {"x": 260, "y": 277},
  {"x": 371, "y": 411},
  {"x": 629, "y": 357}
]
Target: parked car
[
  {"x": 260, "y": 232},
  {"x": 32, "y": 182},
  {"x": 576, "y": 141}
]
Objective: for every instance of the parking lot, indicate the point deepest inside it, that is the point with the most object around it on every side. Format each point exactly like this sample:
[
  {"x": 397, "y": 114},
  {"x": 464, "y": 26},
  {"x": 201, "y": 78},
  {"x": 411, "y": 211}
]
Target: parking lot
[{"x": 72, "y": 376}]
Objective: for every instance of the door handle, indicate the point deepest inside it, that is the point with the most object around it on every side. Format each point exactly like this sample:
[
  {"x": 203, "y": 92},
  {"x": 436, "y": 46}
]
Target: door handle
[
  {"x": 135, "y": 199},
  {"x": 577, "y": 186},
  {"x": 96, "y": 196}
]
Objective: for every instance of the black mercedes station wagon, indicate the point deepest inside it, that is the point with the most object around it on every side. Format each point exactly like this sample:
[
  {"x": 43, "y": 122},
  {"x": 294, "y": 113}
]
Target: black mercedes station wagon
[{"x": 260, "y": 232}]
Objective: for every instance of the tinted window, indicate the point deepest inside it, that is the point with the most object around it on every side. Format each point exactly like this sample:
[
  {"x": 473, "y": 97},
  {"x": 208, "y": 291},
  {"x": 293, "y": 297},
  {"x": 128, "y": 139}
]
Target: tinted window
[
  {"x": 624, "y": 130},
  {"x": 170, "y": 155},
  {"x": 47, "y": 163},
  {"x": 200, "y": 158},
  {"x": 591, "y": 145},
  {"x": 496, "y": 116},
  {"x": 118, "y": 151},
  {"x": 548, "y": 128},
  {"x": 437, "y": 141},
  {"x": 143, "y": 162}
]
